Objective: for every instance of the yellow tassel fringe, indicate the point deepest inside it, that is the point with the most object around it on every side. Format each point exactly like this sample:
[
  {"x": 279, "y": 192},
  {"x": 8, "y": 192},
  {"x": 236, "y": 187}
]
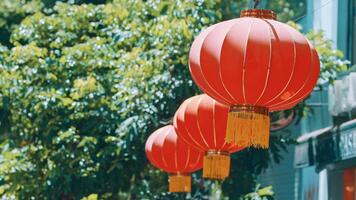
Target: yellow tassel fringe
[
  {"x": 180, "y": 183},
  {"x": 216, "y": 165},
  {"x": 248, "y": 128}
]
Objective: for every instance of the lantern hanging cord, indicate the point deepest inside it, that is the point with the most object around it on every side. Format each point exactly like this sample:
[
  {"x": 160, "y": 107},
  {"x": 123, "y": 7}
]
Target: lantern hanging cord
[
  {"x": 312, "y": 12},
  {"x": 256, "y": 3}
]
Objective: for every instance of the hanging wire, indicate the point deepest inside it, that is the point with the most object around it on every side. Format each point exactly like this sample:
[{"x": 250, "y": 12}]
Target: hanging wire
[
  {"x": 256, "y": 3},
  {"x": 302, "y": 16}
]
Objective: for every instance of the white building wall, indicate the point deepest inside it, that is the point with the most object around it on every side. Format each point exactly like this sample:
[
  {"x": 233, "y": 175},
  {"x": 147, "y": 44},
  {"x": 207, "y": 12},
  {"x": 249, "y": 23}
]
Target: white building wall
[{"x": 325, "y": 16}]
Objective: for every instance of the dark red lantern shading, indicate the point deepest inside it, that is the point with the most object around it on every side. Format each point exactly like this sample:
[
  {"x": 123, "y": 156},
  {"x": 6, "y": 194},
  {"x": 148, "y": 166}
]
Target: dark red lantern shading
[
  {"x": 256, "y": 65},
  {"x": 169, "y": 153},
  {"x": 201, "y": 122}
]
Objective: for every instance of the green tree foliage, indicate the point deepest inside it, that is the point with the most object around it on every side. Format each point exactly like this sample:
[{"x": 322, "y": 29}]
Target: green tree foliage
[
  {"x": 83, "y": 85},
  {"x": 12, "y": 13}
]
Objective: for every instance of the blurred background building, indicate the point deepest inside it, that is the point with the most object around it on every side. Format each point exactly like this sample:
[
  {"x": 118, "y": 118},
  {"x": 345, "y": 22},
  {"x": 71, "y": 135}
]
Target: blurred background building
[{"x": 322, "y": 165}]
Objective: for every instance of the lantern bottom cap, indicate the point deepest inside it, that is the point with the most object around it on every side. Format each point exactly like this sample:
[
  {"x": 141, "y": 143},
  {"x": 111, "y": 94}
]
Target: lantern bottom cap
[
  {"x": 248, "y": 125},
  {"x": 180, "y": 183}
]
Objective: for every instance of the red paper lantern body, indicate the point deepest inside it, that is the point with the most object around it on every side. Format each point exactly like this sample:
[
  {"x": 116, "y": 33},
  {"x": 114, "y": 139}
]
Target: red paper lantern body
[
  {"x": 254, "y": 64},
  {"x": 201, "y": 122},
  {"x": 167, "y": 152}
]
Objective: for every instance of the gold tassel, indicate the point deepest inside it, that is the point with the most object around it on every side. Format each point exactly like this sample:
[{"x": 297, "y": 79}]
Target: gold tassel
[
  {"x": 216, "y": 165},
  {"x": 248, "y": 126},
  {"x": 180, "y": 183}
]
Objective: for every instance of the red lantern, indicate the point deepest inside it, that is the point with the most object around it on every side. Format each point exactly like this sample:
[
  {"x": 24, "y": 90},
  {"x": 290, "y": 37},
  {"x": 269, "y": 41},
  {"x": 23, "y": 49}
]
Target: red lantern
[
  {"x": 201, "y": 122},
  {"x": 256, "y": 65},
  {"x": 167, "y": 152}
]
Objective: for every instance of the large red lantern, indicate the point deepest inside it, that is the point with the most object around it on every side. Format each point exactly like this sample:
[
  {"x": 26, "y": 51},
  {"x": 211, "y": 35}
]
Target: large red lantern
[
  {"x": 256, "y": 65},
  {"x": 201, "y": 122},
  {"x": 167, "y": 152}
]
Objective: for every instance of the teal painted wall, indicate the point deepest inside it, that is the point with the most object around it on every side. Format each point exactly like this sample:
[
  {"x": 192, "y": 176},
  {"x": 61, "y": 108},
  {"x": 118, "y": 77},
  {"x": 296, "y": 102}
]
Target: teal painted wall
[
  {"x": 282, "y": 176},
  {"x": 343, "y": 25}
]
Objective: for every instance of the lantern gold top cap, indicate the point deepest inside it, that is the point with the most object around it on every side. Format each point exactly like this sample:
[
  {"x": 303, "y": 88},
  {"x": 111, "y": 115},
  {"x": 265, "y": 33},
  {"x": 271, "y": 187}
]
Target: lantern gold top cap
[{"x": 259, "y": 13}]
